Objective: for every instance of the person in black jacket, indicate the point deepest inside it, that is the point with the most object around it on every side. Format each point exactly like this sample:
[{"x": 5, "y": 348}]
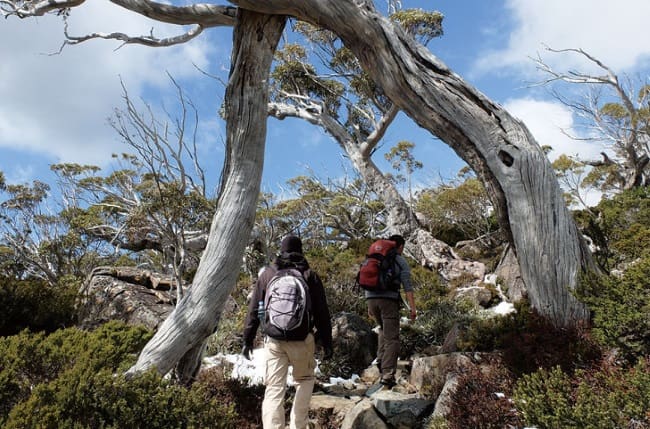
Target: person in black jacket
[{"x": 281, "y": 353}]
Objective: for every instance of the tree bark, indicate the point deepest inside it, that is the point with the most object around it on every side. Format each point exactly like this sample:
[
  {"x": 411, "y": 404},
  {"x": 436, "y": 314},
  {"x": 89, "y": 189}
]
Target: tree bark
[
  {"x": 498, "y": 147},
  {"x": 197, "y": 315}
]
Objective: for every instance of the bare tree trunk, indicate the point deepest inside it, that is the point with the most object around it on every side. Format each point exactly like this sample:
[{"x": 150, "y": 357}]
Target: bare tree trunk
[
  {"x": 197, "y": 315},
  {"x": 499, "y": 148}
]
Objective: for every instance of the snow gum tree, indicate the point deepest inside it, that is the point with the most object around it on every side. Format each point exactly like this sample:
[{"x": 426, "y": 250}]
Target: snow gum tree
[{"x": 499, "y": 148}]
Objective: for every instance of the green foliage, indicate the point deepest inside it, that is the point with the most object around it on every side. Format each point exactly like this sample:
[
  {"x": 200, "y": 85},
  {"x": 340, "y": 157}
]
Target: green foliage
[
  {"x": 227, "y": 338},
  {"x": 611, "y": 397},
  {"x": 28, "y": 360},
  {"x": 338, "y": 269},
  {"x": 71, "y": 379},
  {"x": 84, "y": 399},
  {"x": 295, "y": 76},
  {"x": 620, "y": 307},
  {"x": 456, "y": 213},
  {"x": 401, "y": 157},
  {"x": 625, "y": 222},
  {"x": 35, "y": 305},
  {"x": 322, "y": 213},
  {"x": 423, "y": 25},
  {"x": 436, "y": 317}
]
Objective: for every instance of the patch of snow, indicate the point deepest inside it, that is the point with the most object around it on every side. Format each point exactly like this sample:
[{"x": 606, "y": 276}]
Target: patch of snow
[
  {"x": 251, "y": 370},
  {"x": 490, "y": 279},
  {"x": 503, "y": 308}
]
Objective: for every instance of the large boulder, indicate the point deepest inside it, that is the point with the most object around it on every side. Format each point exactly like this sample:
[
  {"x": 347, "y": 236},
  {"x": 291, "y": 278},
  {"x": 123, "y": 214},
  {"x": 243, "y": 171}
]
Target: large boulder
[
  {"x": 508, "y": 271},
  {"x": 129, "y": 294},
  {"x": 430, "y": 373},
  {"x": 354, "y": 339}
]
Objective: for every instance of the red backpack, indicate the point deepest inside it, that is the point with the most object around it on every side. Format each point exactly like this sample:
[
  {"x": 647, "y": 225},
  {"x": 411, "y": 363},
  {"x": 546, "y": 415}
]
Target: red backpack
[{"x": 377, "y": 272}]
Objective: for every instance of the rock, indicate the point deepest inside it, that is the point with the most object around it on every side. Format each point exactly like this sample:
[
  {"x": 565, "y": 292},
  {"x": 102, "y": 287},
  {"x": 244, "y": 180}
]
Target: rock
[
  {"x": 440, "y": 257},
  {"x": 326, "y": 410},
  {"x": 478, "y": 295},
  {"x": 363, "y": 416},
  {"x": 451, "y": 340},
  {"x": 508, "y": 271},
  {"x": 354, "y": 338},
  {"x": 135, "y": 296},
  {"x": 430, "y": 374},
  {"x": 401, "y": 410},
  {"x": 442, "y": 407}
]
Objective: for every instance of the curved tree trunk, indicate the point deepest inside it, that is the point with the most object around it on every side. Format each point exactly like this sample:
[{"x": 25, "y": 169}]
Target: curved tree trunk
[
  {"x": 499, "y": 148},
  {"x": 197, "y": 315}
]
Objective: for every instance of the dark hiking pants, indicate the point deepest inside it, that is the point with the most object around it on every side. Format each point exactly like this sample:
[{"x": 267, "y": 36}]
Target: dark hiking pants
[{"x": 386, "y": 314}]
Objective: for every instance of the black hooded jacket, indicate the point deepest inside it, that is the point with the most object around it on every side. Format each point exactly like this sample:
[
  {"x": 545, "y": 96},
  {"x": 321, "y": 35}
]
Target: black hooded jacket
[{"x": 319, "y": 311}]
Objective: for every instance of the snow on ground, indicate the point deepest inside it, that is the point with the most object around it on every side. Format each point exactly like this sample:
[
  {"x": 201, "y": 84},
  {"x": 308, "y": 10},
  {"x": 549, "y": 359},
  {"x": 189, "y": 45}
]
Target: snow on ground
[
  {"x": 503, "y": 308},
  {"x": 253, "y": 370}
]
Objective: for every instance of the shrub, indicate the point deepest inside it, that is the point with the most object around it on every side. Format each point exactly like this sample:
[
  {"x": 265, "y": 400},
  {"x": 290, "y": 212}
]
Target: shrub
[
  {"x": 34, "y": 359},
  {"x": 611, "y": 397},
  {"x": 620, "y": 227},
  {"x": 338, "y": 270},
  {"x": 72, "y": 379},
  {"x": 33, "y": 304},
  {"x": 620, "y": 308},
  {"x": 481, "y": 400},
  {"x": 81, "y": 398},
  {"x": 528, "y": 341},
  {"x": 244, "y": 399},
  {"x": 432, "y": 325}
]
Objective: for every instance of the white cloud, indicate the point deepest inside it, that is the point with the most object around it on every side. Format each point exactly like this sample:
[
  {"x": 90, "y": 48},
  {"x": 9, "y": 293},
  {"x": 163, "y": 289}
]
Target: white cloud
[
  {"x": 57, "y": 105},
  {"x": 551, "y": 123},
  {"x": 608, "y": 30}
]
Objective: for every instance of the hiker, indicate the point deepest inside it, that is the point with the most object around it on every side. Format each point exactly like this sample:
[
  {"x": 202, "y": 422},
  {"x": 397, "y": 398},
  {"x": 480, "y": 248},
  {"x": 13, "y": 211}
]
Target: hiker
[
  {"x": 294, "y": 348},
  {"x": 383, "y": 307}
]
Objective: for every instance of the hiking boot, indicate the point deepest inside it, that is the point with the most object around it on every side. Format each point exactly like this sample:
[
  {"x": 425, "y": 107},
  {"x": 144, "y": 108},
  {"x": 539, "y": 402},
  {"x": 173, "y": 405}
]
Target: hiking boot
[{"x": 388, "y": 382}]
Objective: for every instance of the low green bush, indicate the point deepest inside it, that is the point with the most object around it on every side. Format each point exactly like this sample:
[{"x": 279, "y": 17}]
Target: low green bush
[
  {"x": 610, "y": 397},
  {"x": 72, "y": 379},
  {"x": 434, "y": 321},
  {"x": 33, "y": 304},
  {"x": 620, "y": 308},
  {"x": 619, "y": 227}
]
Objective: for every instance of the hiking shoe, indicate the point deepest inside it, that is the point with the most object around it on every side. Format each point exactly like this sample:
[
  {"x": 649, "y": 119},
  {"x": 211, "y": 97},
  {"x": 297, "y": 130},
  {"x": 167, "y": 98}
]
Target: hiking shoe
[{"x": 388, "y": 382}]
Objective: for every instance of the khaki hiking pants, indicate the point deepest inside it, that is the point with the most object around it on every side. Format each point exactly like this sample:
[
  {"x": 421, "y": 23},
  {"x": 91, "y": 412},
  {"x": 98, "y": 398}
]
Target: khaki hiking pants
[
  {"x": 279, "y": 355},
  {"x": 386, "y": 314}
]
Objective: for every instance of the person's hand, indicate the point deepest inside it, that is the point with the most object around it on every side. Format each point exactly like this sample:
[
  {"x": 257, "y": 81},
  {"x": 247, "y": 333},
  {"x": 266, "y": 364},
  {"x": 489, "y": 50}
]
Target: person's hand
[
  {"x": 247, "y": 351},
  {"x": 413, "y": 313},
  {"x": 327, "y": 353}
]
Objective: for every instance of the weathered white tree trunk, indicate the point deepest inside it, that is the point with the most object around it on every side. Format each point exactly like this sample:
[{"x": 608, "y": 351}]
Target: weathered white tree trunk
[
  {"x": 197, "y": 315},
  {"x": 498, "y": 147}
]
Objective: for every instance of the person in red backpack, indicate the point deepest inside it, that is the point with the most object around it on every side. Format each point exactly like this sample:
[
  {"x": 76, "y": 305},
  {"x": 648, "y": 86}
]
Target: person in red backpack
[
  {"x": 296, "y": 351},
  {"x": 383, "y": 307}
]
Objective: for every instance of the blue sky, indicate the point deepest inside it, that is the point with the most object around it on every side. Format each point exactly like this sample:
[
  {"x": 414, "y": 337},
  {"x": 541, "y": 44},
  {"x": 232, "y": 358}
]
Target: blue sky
[{"x": 54, "y": 108}]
